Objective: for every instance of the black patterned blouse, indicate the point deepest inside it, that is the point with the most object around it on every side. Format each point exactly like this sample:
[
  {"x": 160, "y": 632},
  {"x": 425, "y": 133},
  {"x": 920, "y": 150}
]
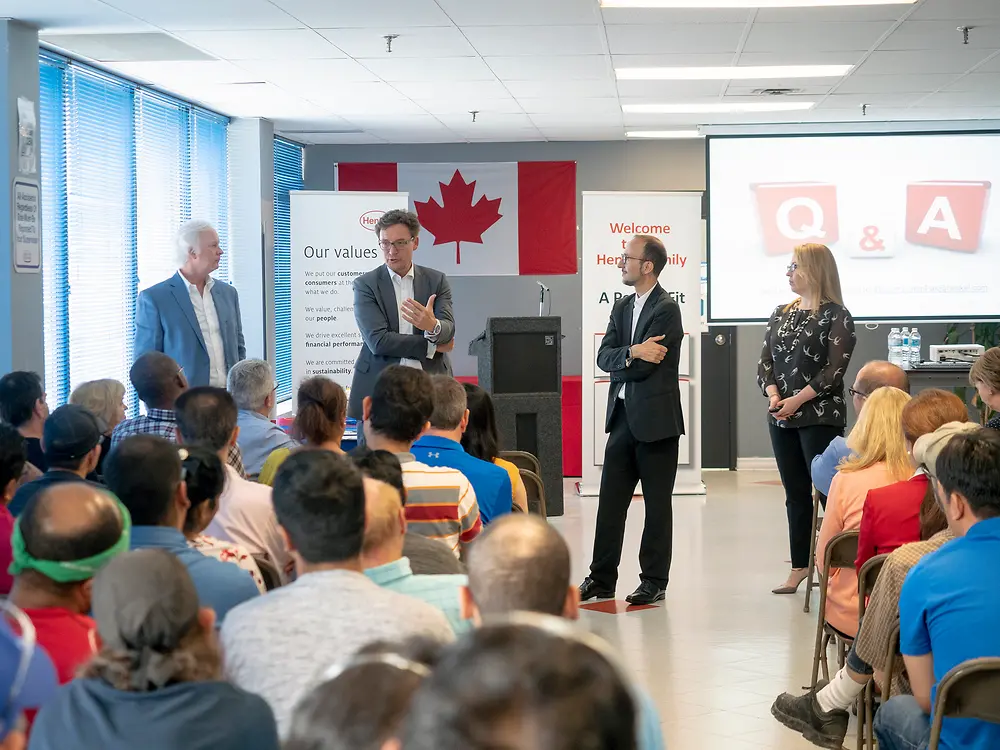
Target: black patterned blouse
[{"x": 809, "y": 347}]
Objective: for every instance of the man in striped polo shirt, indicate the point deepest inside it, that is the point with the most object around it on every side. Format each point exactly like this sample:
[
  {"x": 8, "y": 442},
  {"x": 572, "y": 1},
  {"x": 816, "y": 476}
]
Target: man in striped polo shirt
[{"x": 440, "y": 502}]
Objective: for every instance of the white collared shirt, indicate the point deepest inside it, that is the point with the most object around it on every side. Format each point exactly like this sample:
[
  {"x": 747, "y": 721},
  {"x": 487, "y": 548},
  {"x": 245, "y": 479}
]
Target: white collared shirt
[
  {"x": 404, "y": 291},
  {"x": 640, "y": 301},
  {"x": 211, "y": 331}
]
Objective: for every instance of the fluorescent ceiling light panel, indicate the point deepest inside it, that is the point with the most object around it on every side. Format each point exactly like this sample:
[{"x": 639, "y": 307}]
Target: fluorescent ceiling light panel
[
  {"x": 703, "y": 4},
  {"x": 715, "y": 108},
  {"x": 732, "y": 72},
  {"x": 663, "y": 134}
]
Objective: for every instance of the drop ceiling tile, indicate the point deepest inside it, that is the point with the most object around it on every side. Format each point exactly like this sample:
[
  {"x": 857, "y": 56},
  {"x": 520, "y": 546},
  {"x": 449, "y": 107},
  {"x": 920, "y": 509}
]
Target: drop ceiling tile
[
  {"x": 577, "y": 119},
  {"x": 795, "y": 38},
  {"x": 557, "y": 105},
  {"x": 661, "y": 16},
  {"x": 73, "y": 16},
  {"x": 440, "y": 69},
  {"x": 191, "y": 15},
  {"x": 874, "y": 101},
  {"x": 955, "y": 10},
  {"x": 937, "y": 35},
  {"x": 860, "y": 83},
  {"x": 485, "y": 121},
  {"x": 522, "y": 136},
  {"x": 409, "y": 135},
  {"x": 545, "y": 13},
  {"x": 747, "y": 88},
  {"x": 805, "y": 57},
  {"x": 327, "y": 123},
  {"x": 584, "y": 134},
  {"x": 833, "y": 14},
  {"x": 987, "y": 82},
  {"x": 670, "y": 89},
  {"x": 957, "y": 60},
  {"x": 179, "y": 73},
  {"x": 275, "y": 44},
  {"x": 567, "y": 67},
  {"x": 963, "y": 99},
  {"x": 388, "y": 16},
  {"x": 452, "y": 89},
  {"x": 667, "y": 60},
  {"x": 990, "y": 66},
  {"x": 298, "y": 73},
  {"x": 346, "y": 91},
  {"x": 702, "y": 38},
  {"x": 463, "y": 105},
  {"x": 413, "y": 41},
  {"x": 535, "y": 40},
  {"x": 400, "y": 110},
  {"x": 324, "y": 138},
  {"x": 598, "y": 87}
]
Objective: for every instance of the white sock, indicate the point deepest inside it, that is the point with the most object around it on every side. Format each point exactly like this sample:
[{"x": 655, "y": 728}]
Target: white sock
[{"x": 840, "y": 693}]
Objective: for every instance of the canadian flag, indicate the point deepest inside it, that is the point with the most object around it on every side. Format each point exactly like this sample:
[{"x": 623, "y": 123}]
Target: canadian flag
[{"x": 484, "y": 219}]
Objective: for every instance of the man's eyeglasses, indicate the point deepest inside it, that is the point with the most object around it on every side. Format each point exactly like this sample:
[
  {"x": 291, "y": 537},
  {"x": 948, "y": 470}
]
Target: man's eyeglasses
[
  {"x": 398, "y": 244},
  {"x": 858, "y": 394},
  {"x": 625, "y": 258},
  {"x": 792, "y": 267}
]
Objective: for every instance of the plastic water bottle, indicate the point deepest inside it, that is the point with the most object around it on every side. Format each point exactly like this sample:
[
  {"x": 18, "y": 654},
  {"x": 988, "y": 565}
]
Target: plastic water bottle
[
  {"x": 914, "y": 347},
  {"x": 894, "y": 342},
  {"x": 904, "y": 348}
]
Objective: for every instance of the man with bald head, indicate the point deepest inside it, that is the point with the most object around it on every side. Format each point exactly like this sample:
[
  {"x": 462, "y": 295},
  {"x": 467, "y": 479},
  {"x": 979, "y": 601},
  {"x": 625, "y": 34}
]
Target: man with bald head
[
  {"x": 63, "y": 537},
  {"x": 872, "y": 376},
  {"x": 384, "y": 563}
]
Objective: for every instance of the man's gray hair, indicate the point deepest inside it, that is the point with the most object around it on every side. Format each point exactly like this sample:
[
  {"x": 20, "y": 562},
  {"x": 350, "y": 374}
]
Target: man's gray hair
[
  {"x": 450, "y": 402},
  {"x": 187, "y": 238},
  {"x": 250, "y": 382}
]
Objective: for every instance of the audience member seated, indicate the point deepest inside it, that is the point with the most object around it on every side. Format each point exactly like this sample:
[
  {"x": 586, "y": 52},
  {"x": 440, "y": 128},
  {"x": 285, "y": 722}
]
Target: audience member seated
[
  {"x": 522, "y": 564},
  {"x": 441, "y": 446},
  {"x": 27, "y": 677},
  {"x": 280, "y": 645},
  {"x": 821, "y": 714},
  {"x": 482, "y": 439},
  {"x": 871, "y": 377},
  {"x": 206, "y": 416},
  {"x": 72, "y": 440},
  {"x": 319, "y": 422},
  {"x": 204, "y": 478},
  {"x": 63, "y": 537},
  {"x": 427, "y": 556},
  {"x": 985, "y": 377},
  {"x": 441, "y": 503},
  {"x": 879, "y": 458},
  {"x": 362, "y": 703},
  {"x": 12, "y": 460},
  {"x": 252, "y": 384},
  {"x": 22, "y": 404},
  {"x": 535, "y": 682},
  {"x": 949, "y": 611},
  {"x": 891, "y": 514},
  {"x": 144, "y": 472},
  {"x": 105, "y": 399},
  {"x": 156, "y": 682},
  {"x": 382, "y": 556},
  {"x": 159, "y": 381}
]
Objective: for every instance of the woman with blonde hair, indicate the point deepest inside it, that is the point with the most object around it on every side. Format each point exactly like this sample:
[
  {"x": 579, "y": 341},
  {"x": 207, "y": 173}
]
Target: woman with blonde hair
[
  {"x": 985, "y": 376},
  {"x": 807, "y": 349},
  {"x": 879, "y": 459},
  {"x": 105, "y": 399}
]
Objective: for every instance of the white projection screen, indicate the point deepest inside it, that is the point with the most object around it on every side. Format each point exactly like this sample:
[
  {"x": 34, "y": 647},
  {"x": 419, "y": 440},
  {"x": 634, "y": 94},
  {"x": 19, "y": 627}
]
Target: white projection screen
[{"x": 913, "y": 221}]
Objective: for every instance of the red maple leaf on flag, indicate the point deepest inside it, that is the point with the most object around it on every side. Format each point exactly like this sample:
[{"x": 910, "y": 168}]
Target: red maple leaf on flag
[{"x": 456, "y": 219}]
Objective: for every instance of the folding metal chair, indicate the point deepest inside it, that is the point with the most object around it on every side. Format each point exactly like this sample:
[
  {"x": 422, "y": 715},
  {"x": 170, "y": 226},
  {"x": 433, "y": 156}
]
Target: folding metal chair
[
  {"x": 536, "y": 491},
  {"x": 523, "y": 460},
  {"x": 866, "y": 701},
  {"x": 840, "y": 555},
  {"x": 891, "y": 655},
  {"x": 816, "y": 523},
  {"x": 969, "y": 691},
  {"x": 268, "y": 571}
]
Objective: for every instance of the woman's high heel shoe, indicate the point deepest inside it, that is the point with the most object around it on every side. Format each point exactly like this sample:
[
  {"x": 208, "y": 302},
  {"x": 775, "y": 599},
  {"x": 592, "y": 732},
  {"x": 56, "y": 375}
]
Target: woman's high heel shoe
[{"x": 795, "y": 579}]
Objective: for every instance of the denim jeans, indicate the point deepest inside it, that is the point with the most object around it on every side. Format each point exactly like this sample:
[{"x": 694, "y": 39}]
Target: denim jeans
[{"x": 902, "y": 725}]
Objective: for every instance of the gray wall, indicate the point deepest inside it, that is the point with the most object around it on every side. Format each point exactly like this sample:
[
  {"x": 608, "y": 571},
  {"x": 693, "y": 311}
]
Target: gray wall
[{"x": 677, "y": 165}]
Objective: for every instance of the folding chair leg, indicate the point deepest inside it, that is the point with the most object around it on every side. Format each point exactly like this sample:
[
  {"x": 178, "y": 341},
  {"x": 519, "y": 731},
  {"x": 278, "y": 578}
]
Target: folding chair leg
[{"x": 812, "y": 554}]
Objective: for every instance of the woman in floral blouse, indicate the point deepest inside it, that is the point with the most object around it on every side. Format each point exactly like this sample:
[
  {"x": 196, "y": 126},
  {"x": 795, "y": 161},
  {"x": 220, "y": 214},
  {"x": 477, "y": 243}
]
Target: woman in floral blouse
[
  {"x": 807, "y": 348},
  {"x": 204, "y": 476}
]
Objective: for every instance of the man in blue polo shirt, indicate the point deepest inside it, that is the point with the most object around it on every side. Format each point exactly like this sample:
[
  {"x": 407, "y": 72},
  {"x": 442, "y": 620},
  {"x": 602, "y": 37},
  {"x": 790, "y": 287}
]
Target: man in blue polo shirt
[
  {"x": 441, "y": 446},
  {"x": 949, "y": 610}
]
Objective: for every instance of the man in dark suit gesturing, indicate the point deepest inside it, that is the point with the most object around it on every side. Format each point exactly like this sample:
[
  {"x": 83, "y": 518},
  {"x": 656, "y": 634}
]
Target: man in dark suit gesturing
[
  {"x": 641, "y": 351},
  {"x": 403, "y": 311}
]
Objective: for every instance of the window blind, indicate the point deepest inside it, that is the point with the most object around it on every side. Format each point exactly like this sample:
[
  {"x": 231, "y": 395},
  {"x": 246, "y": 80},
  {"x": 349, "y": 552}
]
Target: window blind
[{"x": 288, "y": 176}]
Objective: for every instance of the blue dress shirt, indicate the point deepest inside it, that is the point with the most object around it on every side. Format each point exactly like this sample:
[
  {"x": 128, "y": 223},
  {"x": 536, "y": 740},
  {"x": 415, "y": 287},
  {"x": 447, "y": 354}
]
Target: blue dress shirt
[
  {"x": 491, "y": 483},
  {"x": 824, "y": 466},
  {"x": 258, "y": 437}
]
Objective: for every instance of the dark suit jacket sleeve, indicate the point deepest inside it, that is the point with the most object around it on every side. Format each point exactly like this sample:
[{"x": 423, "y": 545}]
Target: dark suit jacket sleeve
[
  {"x": 241, "y": 345},
  {"x": 375, "y": 328},
  {"x": 666, "y": 322},
  {"x": 443, "y": 312},
  {"x": 148, "y": 329}
]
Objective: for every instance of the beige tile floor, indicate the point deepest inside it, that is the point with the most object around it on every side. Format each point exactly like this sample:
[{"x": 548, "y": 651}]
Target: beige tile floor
[{"x": 721, "y": 647}]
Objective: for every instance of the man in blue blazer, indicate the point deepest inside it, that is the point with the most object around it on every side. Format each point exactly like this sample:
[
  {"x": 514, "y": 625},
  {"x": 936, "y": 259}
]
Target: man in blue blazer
[{"x": 192, "y": 317}]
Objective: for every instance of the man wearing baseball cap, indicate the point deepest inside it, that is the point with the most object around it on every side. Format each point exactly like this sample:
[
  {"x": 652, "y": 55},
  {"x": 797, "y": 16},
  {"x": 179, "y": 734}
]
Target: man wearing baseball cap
[
  {"x": 27, "y": 677},
  {"x": 71, "y": 440},
  {"x": 949, "y": 610},
  {"x": 157, "y": 681}
]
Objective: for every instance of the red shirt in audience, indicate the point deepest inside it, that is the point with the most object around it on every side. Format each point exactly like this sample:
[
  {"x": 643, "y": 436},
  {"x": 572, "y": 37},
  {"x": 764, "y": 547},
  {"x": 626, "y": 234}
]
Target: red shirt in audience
[
  {"x": 6, "y": 531},
  {"x": 891, "y": 518}
]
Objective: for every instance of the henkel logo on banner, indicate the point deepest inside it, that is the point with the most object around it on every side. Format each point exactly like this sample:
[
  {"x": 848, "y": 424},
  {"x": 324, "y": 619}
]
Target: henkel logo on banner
[
  {"x": 946, "y": 214},
  {"x": 369, "y": 219},
  {"x": 792, "y": 213}
]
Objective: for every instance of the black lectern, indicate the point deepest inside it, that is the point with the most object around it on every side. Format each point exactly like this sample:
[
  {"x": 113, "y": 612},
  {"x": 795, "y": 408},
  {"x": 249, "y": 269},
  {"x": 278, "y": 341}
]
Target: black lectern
[{"x": 520, "y": 365}]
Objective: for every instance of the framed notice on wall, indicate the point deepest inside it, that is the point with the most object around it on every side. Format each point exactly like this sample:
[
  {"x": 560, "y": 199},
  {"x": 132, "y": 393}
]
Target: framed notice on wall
[{"x": 26, "y": 226}]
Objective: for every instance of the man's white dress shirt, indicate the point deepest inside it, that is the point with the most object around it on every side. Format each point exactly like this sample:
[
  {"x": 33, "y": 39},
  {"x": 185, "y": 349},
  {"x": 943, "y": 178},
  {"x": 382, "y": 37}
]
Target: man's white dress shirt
[
  {"x": 640, "y": 301},
  {"x": 211, "y": 331},
  {"x": 404, "y": 291}
]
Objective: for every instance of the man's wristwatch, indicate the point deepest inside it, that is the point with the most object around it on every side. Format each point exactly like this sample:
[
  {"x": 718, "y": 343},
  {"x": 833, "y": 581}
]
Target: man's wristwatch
[
  {"x": 436, "y": 331},
  {"x": 629, "y": 358}
]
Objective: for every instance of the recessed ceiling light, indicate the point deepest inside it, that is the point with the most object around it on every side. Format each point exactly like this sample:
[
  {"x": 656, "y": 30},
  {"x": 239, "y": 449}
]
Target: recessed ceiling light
[
  {"x": 663, "y": 134},
  {"x": 710, "y": 108},
  {"x": 745, "y": 3},
  {"x": 733, "y": 72}
]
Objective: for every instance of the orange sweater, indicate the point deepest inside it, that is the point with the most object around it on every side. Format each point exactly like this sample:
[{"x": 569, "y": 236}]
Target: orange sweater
[{"x": 844, "y": 505}]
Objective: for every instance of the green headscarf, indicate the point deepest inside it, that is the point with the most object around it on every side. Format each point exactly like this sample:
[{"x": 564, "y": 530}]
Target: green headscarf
[{"x": 68, "y": 571}]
